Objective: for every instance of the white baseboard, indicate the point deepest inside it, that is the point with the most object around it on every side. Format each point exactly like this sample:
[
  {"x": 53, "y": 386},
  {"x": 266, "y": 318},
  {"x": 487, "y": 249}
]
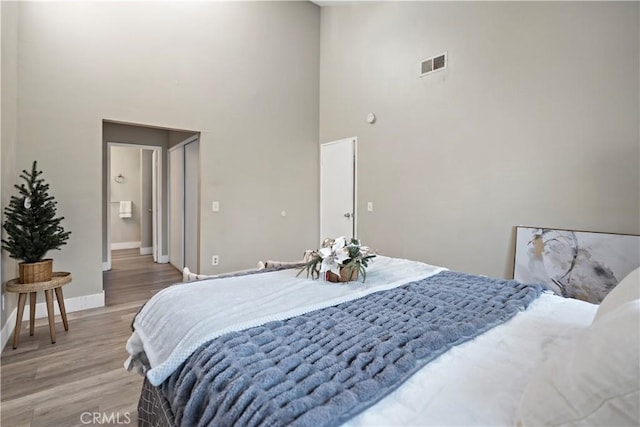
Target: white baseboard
[
  {"x": 164, "y": 259},
  {"x": 106, "y": 266},
  {"x": 125, "y": 245},
  {"x": 146, "y": 251},
  {"x": 84, "y": 302},
  {"x": 8, "y": 327}
]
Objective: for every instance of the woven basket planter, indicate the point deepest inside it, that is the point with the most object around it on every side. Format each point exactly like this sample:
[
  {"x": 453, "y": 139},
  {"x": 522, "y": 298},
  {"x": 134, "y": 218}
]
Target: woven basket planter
[
  {"x": 344, "y": 275},
  {"x": 32, "y": 272}
]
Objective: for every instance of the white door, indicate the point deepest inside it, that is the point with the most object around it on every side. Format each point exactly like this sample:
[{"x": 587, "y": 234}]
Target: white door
[
  {"x": 191, "y": 173},
  {"x": 176, "y": 208},
  {"x": 338, "y": 189}
]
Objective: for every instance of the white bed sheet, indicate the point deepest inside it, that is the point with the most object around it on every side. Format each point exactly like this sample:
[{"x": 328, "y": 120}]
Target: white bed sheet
[{"x": 480, "y": 382}]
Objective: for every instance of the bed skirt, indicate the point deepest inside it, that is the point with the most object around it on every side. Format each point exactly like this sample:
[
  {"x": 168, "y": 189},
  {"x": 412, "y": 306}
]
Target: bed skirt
[{"x": 153, "y": 408}]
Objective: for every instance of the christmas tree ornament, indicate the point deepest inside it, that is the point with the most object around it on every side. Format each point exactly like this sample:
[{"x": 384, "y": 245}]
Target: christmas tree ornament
[{"x": 32, "y": 227}]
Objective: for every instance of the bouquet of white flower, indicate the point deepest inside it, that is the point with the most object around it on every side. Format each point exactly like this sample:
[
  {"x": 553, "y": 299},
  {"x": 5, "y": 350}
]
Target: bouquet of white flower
[{"x": 339, "y": 260}]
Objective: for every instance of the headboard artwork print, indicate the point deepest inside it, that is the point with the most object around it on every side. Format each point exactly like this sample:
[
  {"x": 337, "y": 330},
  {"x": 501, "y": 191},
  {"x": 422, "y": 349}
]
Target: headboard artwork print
[{"x": 575, "y": 264}]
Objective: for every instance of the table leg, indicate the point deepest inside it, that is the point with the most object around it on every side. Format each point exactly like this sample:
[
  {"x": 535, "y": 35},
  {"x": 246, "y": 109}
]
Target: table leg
[
  {"x": 32, "y": 311},
  {"x": 52, "y": 325},
  {"x": 22, "y": 298},
  {"x": 63, "y": 312}
]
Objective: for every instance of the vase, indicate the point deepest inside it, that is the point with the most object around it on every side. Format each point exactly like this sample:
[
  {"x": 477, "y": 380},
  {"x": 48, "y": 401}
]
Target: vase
[
  {"x": 32, "y": 272},
  {"x": 344, "y": 275}
]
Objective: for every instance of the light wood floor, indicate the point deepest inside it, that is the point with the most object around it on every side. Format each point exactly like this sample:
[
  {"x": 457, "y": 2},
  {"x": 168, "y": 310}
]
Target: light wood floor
[{"x": 52, "y": 385}]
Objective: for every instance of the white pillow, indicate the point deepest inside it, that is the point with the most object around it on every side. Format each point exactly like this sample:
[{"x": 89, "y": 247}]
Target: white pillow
[
  {"x": 593, "y": 381},
  {"x": 627, "y": 290}
]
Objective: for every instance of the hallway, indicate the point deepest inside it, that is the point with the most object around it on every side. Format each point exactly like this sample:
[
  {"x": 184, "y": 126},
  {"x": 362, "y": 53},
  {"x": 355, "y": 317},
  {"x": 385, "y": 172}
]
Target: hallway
[{"x": 135, "y": 277}]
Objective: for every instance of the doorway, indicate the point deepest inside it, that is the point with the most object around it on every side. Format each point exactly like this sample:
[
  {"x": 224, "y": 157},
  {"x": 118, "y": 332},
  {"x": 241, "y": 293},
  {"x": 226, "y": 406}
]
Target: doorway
[
  {"x": 134, "y": 211},
  {"x": 338, "y": 189},
  {"x": 135, "y": 273}
]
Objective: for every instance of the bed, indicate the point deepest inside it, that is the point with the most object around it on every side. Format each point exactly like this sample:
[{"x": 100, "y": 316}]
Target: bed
[{"x": 414, "y": 345}]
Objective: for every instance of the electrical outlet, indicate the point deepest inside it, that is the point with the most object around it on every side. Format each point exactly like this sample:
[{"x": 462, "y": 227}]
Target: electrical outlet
[
  {"x": 370, "y": 206},
  {"x": 215, "y": 207},
  {"x": 215, "y": 260}
]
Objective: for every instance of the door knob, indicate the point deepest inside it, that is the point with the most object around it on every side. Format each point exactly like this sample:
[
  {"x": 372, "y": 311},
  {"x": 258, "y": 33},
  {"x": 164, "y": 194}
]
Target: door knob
[{"x": 347, "y": 215}]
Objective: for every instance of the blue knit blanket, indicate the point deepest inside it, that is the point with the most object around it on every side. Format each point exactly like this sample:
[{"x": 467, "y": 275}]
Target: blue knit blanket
[{"x": 324, "y": 367}]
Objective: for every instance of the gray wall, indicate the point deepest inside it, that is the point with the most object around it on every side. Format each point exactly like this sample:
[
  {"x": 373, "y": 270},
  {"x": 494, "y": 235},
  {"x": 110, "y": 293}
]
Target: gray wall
[
  {"x": 178, "y": 65},
  {"x": 535, "y": 122},
  {"x": 137, "y": 135},
  {"x": 10, "y": 167},
  {"x": 125, "y": 161},
  {"x": 176, "y": 137}
]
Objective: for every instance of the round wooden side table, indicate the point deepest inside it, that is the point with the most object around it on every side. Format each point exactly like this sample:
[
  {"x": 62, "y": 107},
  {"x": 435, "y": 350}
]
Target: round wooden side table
[{"x": 59, "y": 279}]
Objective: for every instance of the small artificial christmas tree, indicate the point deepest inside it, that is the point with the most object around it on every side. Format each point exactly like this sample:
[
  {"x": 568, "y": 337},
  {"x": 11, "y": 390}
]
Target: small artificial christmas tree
[{"x": 31, "y": 223}]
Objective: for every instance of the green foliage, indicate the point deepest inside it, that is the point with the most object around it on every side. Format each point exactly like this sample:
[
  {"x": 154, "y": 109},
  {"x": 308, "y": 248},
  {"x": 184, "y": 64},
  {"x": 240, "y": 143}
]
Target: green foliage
[
  {"x": 358, "y": 259},
  {"x": 312, "y": 267},
  {"x": 31, "y": 224}
]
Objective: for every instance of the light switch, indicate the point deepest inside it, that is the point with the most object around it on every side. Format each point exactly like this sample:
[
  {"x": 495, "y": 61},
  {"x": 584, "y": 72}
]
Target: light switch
[
  {"x": 215, "y": 206},
  {"x": 370, "y": 206}
]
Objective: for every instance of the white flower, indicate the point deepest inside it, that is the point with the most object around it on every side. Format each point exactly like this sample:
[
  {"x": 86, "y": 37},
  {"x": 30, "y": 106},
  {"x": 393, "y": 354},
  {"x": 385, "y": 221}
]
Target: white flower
[
  {"x": 340, "y": 243},
  {"x": 330, "y": 264},
  {"x": 332, "y": 258},
  {"x": 335, "y": 254}
]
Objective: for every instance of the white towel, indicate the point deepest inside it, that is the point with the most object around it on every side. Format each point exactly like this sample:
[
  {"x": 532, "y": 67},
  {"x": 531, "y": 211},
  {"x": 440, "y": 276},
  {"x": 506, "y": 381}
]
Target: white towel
[{"x": 125, "y": 209}]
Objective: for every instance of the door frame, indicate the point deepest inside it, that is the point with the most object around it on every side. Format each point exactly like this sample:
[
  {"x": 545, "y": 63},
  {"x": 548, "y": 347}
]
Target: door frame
[
  {"x": 180, "y": 145},
  {"x": 353, "y": 139},
  {"x": 192, "y": 138},
  {"x": 155, "y": 191},
  {"x": 194, "y": 246},
  {"x": 182, "y": 203},
  {"x": 158, "y": 199}
]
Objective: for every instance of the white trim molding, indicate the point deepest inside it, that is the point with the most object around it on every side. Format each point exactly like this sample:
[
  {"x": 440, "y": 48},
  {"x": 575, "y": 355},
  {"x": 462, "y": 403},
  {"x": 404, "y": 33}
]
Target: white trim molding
[
  {"x": 164, "y": 259},
  {"x": 8, "y": 327},
  {"x": 124, "y": 245},
  {"x": 146, "y": 251},
  {"x": 84, "y": 302},
  {"x": 106, "y": 266}
]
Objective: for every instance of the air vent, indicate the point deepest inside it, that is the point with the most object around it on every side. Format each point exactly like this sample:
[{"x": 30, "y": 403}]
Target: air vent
[{"x": 433, "y": 64}]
